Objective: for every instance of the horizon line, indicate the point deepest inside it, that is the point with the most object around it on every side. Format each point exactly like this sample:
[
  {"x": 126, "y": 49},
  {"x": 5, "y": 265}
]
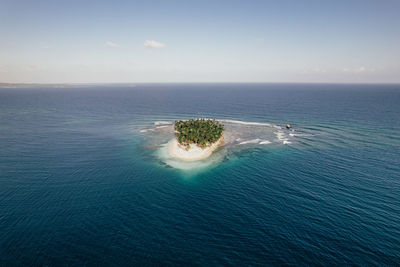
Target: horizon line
[{"x": 244, "y": 82}]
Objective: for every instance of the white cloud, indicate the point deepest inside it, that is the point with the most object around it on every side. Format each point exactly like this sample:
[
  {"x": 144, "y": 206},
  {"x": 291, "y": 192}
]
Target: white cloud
[
  {"x": 111, "y": 44},
  {"x": 153, "y": 44},
  {"x": 356, "y": 70}
]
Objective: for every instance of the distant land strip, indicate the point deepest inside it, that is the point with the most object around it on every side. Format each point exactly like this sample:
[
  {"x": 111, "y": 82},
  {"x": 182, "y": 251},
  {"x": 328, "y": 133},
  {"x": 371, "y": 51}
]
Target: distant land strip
[{"x": 23, "y": 85}]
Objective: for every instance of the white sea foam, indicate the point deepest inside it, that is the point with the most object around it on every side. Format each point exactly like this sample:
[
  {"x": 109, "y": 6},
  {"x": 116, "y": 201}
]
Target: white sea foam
[
  {"x": 281, "y": 137},
  {"x": 247, "y": 122},
  {"x": 147, "y": 130},
  {"x": 253, "y": 141},
  {"x": 294, "y": 134},
  {"x": 162, "y": 123}
]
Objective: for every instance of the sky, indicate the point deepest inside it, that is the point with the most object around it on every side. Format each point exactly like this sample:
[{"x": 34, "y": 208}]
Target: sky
[{"x": 200, "y": 41}]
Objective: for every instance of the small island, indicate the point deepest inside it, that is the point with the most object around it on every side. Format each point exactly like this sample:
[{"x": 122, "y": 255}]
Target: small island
[{"x": 195, "y": 139}]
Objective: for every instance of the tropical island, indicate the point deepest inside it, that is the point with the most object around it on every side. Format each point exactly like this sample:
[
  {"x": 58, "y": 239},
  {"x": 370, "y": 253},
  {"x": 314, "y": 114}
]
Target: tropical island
[{"x": 195, "y": 139}]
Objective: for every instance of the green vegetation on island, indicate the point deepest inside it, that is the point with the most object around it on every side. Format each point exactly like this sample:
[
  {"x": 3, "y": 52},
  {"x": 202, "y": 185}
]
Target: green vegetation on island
[{"x": 201, "y": 132}]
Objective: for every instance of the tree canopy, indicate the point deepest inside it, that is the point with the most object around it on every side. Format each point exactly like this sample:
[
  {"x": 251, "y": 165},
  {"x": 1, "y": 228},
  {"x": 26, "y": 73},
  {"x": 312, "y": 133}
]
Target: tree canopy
[{"x": 202, "y": 132}]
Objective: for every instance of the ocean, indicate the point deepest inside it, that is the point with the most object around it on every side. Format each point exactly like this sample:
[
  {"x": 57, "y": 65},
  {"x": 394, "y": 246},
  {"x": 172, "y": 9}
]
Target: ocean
[{"x": 85, "y": 180}]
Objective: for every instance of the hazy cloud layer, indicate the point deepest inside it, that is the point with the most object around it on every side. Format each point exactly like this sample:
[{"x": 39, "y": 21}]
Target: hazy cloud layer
[
  {"x": 112, "y": 44},
  {"x": 153, "y": 44}
]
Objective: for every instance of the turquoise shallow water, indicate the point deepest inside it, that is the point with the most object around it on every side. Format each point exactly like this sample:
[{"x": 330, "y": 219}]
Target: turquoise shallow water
[{"x": 83, "y": 179}]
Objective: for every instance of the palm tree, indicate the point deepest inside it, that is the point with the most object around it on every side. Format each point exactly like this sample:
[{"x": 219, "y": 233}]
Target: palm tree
[{"x": 200, "y": 131}]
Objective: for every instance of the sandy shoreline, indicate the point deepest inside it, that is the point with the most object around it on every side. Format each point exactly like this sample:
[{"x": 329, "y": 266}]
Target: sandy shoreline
[{"x": 194, "y": 152}]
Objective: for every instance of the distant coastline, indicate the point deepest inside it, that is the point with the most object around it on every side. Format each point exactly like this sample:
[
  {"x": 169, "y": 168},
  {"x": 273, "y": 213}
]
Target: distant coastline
[{"x": 28, "y": 85}]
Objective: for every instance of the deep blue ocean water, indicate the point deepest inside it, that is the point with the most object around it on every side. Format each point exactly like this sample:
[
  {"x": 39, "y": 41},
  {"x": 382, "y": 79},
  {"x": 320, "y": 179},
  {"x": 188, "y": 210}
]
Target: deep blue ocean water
[{"x": 80, "y": 184}]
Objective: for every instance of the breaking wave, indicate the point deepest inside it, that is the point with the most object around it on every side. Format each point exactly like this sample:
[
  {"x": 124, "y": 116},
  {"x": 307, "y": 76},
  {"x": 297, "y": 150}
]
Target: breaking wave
[
  {"x": 246, "y": 122},
  {"x": 254, "y": 141},
  {"x": 162, "y": 122}
]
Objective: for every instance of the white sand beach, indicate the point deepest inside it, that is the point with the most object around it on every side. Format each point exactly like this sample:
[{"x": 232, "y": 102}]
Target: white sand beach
[{"x": 194, "y": 152}]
